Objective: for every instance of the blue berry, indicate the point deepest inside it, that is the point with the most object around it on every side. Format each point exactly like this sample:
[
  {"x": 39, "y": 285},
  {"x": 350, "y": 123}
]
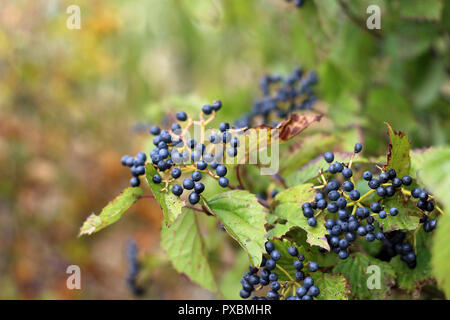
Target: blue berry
[
  {"x": 370, "y": 237},
  {"x": 293, "y": 251},
  {"x": 135, "y": 182},
  {"x": 235, "y": 142},
  {"x": 374, "y": 183},
  {"x": 194, "y": 198},
  {"x": 177, "y": 190},
  {"x": 269, "y": 246},
  {"x": 367, "y": 175},
  {"x": 375, "y": 207},
  {"x": 343, "y": 254},
  {"x": 224, "y": 126},
  {"x": 350, "y": 236},
  {"x": 392, "y": 173},
  {"x": 155, "y": 130},
  {"x": 275, "y": 286},
  {"x": 333, "y": 195},
  {"x": 299, "y": 275},
  {"x": 223, "y": 182},
  {"x": 276, "y": 255},
  {"x": 382, "y": 214},
  {"x": 416, "y": 192},
  {"x": 232, "y": 152},
  {"x": 313, "y": 291},
  {"x": 381, "y": 191},
  {"x": 176, "y": 128},
  {"x": 329, "y": 223},
  {"x": 244, "y": 294},
  {"x": 332, "y": 207},
  {"x": 214, "y": 138},
  {"x": 406, "y": 180},
  {"x": 384, "y": 177},
  {"x": 358, "y": 147},
  {"x": 156, "y": 179},
  {"x": 301, "y": 291},
  {"x": 348, "y": 186},
  {"x": 329, "y": 157},
  {"x": 188, "y": 184},
  {"x": 354, "y": 195},
  {"x": 380, "y": 236},
  {"x": 270, "y": 264},
  {"x": 393, "y": 212},
  {"x": 199, "y": 187},
  {"x": 273, "y": 277},
  {"x": 196, "y": 175},
  {"x": 361, "y": 231},
  {"x": 322, "y": 204},
  {"x": 181, "y": 116},
  {"x": 308, "y": 282},
  {"x": 201, "y": 165},
  {"x": 343, "y": 243},
  {"x": 312, "y": 221},
  {"x": 226, "y": 137},
  {"x": 221, "y": 170},
  {"x": 313, "y": 267},
  {"x": 347, "y": 173},
  {"x": 176, "y": 173},
  {"x": 216, "y": 105},
  {"x": 206, "y": 109},
  {"x": 298, "y": 265}
]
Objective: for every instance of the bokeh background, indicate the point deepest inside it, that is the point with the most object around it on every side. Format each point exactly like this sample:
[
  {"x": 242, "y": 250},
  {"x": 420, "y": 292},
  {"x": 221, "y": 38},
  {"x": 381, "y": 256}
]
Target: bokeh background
[{"x": 72, "y": 102}]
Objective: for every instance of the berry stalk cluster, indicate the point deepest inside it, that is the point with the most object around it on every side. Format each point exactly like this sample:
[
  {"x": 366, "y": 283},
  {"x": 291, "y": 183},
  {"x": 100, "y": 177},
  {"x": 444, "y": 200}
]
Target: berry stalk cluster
[
  {"x": 176, "y": 155},
  {"x": 349, "y": 215}
]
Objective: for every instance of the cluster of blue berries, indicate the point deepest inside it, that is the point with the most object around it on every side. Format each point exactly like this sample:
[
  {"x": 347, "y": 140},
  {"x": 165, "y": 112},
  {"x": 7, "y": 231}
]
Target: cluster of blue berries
[
  {"x": 281, "y": 96},
  {"x": 137, "y": 167},
  {"x": 133, "y": 269},
  {"x": 174, "y": 155},
  {"x": 395, "y": 243},
  {"x": 251, "y": 281},
  {"x": 338, "y": 194}
]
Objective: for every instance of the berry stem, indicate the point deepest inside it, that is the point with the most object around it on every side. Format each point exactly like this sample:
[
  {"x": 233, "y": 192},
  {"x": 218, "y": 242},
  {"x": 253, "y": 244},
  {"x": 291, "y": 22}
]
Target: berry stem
[
  {"x": 287, "y": 274},
  {"x": 368, "y": 193},
  {"x": 147, "y": 196},
  {"x": 238, "y": 175}
]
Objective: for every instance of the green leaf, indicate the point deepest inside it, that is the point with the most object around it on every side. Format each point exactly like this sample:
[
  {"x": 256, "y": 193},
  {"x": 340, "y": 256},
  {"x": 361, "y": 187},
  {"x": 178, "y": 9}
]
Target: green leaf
[
  {"x": 185, "y": 247},
  {"x": 398, "y": 155},
  {"x": 435, "y": 175},
  {"x": 440, "y": 253},
  {"x": 407, "y": 218},
  {"x": 243, "y": 218},
  {"x": 355, "y": 268},
  {"x": 288, "y": 206},
  {"x": 112, "y": 212},
  {"x": 300, "y": 152},
  {"x": 332, "y": 286},
  {"x": 230, "y": 282},
  {"x": 170, "y": 204},
  {"x": 419, "y": 9},
  {"x": 311, "y": 169}
]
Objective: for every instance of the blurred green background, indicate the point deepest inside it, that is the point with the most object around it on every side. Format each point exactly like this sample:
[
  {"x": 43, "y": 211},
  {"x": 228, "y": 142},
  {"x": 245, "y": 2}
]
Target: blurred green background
[{"x": 72, "y": 102}]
